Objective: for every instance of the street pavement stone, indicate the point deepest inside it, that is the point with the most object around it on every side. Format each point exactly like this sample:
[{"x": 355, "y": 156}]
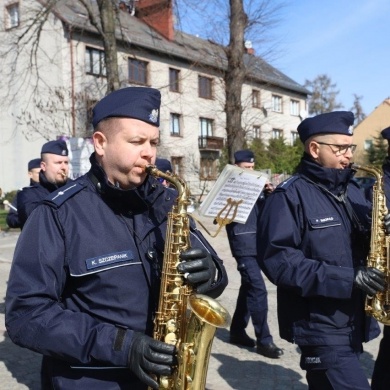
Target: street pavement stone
[{"x": 230, "y": 366}]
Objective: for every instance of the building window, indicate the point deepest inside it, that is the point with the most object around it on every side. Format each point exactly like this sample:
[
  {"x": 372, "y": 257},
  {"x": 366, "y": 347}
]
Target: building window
[
  {"x": 294, "y": 107},
  {"x": 255, "y": 98},
  {"x": 294, "y": 137},
  {"x": 205, "y": 130},
  {"x": 12, "y": 15},
  {"x": 208, "y": 167},
  {"x": 277, "y": 133},
  {"x": 138, "y": 71},
  {"x": 256, "y": 132},
  {"x": 174, "y": 80},
  {"x": 368, "y": 144},
  {"x": 174, "y": 124},
  {"x": 177, "y": 165},
  {"x": 276, "y": 103},
  {"x": 205, "y": 87},
  {"x": 95, "y": 62}
]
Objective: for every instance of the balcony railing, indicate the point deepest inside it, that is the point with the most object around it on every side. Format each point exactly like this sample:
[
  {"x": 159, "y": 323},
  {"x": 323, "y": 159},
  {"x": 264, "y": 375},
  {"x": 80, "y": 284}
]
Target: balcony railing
[{"x": 210, "y": 142}]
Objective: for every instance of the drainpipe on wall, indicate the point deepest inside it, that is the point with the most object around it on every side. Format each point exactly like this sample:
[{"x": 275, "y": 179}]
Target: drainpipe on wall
[{"x": 72, "y": 85}]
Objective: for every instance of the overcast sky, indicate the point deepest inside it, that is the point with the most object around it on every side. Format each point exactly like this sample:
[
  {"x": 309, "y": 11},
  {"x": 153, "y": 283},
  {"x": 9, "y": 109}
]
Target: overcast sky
[{"x": 347, "y": 40}]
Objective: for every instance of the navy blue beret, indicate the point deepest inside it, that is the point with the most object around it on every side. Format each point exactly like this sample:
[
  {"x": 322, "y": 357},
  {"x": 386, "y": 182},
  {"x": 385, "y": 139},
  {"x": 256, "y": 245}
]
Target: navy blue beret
[
  {"x": 336, "y": 122},
  {"x": 55, "y": 147},
  {"x": 133, "y": 102},
  {"x": 244, "y": 156},
  {"x": 163, "y": 164},
  {"x": 386, "y": 133},
  {"x": 36, "y": 163}
]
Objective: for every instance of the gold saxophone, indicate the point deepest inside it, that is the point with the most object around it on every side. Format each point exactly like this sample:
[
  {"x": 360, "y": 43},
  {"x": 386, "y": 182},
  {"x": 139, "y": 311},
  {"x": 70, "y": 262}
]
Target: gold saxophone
[
  {"x": 183, "y": 318},
  {"x": 378, "y": 306}
]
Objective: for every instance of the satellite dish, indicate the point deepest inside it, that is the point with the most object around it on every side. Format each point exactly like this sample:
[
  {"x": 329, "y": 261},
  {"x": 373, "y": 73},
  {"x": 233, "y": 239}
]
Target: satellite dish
[
  {"x": 248, "y": 44},
  {"x": 303, "y": 114}
]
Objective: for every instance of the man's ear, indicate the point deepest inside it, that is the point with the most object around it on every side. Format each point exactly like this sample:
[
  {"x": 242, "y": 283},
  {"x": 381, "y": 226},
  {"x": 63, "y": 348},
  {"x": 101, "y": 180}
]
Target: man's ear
[
  {"x": 99, "y": 142},
  {"x": 313, "y": 149}
]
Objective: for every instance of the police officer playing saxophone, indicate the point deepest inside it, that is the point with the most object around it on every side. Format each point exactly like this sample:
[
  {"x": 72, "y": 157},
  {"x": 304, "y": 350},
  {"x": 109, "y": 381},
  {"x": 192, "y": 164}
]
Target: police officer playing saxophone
[
  {"x": 313, "y": 241},
  {"x": 54, "y": 174},
  {"x": 34, "y": 167},
  {"x": 381, "y": 373},
  {"x": 85, "y": 279},
  {"x": 252, "y": 296}
]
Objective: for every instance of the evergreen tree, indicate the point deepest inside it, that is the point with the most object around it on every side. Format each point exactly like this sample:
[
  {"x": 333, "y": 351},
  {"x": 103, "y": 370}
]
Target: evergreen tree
[{"x": 377, "y": 152}]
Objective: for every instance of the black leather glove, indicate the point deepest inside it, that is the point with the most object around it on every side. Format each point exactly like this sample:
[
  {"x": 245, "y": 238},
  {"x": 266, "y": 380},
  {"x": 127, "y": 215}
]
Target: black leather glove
[
  {"x": 369, "y": 279},
  {"x": 198, "y": 267},
  {"x": 149, "y": 356},
  {"x": 386, "y": 221}
]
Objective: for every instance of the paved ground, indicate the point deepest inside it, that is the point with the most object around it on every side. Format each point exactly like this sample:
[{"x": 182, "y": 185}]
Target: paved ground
[{"x": 230, "y": 367}]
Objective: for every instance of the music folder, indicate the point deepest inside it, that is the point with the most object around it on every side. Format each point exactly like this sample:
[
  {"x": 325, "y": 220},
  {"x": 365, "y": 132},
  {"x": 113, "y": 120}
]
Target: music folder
[{"x": 234, "y": 184}]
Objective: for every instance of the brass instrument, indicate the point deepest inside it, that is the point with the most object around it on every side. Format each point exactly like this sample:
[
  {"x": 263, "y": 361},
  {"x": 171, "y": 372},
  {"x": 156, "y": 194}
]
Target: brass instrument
[
  {"x": 191, "y": 328},
  {"x": 378, "y": 306}
]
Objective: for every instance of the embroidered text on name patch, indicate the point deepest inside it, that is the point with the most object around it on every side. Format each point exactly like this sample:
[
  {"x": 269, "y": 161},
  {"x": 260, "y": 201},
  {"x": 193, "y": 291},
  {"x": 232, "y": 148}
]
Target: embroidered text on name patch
[
  {"x": 312, "y": 360},
  {"x": 105, "y": 260}
]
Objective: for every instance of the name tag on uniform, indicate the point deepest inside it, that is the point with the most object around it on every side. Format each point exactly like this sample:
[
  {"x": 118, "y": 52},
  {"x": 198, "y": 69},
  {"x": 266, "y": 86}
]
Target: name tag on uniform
[
  {"x": 107, "y": 260},
  {"x": 324, "y": 221}
]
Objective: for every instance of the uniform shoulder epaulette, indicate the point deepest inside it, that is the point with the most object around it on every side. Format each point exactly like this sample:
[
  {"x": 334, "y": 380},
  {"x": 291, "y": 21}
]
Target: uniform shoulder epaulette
[
  {"x": 285, "y": 184},
  {"x": 58, "y": 197}
]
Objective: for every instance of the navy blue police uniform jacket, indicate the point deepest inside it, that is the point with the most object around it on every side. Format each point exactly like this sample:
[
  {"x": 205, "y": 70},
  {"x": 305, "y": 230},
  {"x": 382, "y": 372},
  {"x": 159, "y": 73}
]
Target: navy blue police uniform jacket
[
  {"x": 30, "y": 197},
  {"x": 386, "y": 179},
  {"x": 309, "y": 242},
  {"x": 13, "y": 216},
  {"x": 87, "y": 264},
  {"x": 242, "y": 236}
]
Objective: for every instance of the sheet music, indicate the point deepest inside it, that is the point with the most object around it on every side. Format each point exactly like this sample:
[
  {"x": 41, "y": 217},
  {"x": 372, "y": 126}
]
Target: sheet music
[{"x": 238, "y": 184}]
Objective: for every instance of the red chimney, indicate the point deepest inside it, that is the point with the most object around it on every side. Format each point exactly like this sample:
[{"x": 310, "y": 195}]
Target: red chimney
[{"x": 157, "y": 14}]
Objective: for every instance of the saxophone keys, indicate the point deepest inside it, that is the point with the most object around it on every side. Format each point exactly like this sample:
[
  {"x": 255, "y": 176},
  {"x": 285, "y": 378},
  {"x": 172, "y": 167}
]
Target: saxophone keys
[
  {"x": 170, "y": 338},
  {"x": 171, "y": 326}
]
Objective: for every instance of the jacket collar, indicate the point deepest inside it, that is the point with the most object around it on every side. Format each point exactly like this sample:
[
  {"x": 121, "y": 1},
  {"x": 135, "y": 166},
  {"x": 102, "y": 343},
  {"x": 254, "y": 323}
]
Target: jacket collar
[
  {"x": 137, "y": 199},
  {"x": 334, "y": 180}
]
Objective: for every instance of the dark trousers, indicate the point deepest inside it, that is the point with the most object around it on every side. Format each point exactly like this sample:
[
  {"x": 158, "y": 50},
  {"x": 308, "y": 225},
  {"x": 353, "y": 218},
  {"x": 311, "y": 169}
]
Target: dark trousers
[
  {"x": 381, "y": 374},
  {"x": 251, "y": 301},
  {"x": 333, "y": 368}
]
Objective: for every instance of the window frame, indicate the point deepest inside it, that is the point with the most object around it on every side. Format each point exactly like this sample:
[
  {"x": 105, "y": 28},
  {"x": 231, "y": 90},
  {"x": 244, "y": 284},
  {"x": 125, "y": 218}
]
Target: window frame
[
  {"x": 90, "y": 61},
  {"x": 294, "y": 137},
  {"x": 209, "y": 127},
  {"x": 279, "y": 133},
  {"x": 177, "y": 165},
  {"x": 277, "y": 103},
  {"x": 256, "y": 98},
  {"x": 12, "y": 21},
  {"x": 294, "y": 107},
  {"x": 138, "y": 69},
  {"x": 205, "y": 87},
  {"x": 174, "y": 80},
  {"x": 174, "y": 118},
  {"x": 208, "y": 168},
  {"x": 256, "y": 129}
]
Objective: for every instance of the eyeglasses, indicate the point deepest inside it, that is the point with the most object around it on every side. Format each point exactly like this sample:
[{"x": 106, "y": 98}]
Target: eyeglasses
[{"x": 341, "y": 149}]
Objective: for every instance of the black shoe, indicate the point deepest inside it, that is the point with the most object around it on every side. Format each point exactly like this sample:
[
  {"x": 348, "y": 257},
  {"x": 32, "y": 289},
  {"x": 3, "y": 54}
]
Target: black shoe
[
  {"x": 242, "y": 339},
  {"x": 269, "y": 350}
]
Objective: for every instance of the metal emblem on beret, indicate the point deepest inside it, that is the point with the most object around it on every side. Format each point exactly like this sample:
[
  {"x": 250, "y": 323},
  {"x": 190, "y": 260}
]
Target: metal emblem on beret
[
  {"x": 63, "y": 153},
  {"x": 350, "y": 130},
  {"x": 153, "y": 116},
  {"x": 252, "y": 160}
]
